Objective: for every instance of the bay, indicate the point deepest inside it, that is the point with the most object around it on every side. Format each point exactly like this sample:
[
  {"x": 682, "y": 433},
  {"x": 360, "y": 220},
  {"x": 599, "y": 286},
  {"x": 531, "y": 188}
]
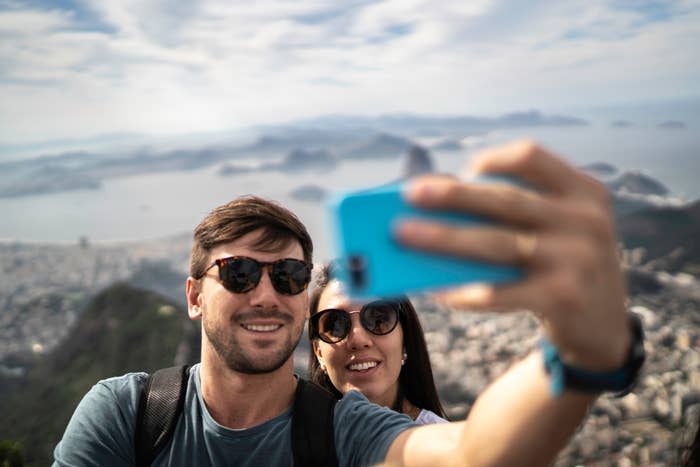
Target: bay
[{"x": 164, "y": 204}]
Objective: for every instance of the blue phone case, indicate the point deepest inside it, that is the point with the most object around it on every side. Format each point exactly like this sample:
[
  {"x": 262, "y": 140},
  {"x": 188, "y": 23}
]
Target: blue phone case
[{"x": 372, "y": 264}]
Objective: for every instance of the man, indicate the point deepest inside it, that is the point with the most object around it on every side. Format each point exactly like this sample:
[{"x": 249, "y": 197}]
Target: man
[{"x": 237, "y": 408}]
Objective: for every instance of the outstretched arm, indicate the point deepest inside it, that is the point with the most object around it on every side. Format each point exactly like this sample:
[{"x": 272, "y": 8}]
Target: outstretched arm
[{"x": 561, "y": 233}]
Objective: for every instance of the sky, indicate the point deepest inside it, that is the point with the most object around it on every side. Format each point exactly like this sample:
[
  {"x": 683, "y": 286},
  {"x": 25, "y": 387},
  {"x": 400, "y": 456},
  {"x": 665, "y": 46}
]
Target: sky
[{"x": 76, "y": 69}]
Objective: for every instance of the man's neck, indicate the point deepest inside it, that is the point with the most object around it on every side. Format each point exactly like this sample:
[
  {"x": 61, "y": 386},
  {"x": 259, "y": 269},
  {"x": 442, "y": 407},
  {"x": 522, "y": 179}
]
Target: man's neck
[{"x": 237, "y": 400}]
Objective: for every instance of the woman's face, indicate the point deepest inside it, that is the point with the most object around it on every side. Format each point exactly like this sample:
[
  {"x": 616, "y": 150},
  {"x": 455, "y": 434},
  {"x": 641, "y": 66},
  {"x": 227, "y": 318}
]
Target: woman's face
[{"x": 362, "y": 361}]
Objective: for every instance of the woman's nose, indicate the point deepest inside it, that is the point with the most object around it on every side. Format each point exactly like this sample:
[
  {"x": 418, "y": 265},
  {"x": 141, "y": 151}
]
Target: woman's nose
[{"x": 358, "y": 337}]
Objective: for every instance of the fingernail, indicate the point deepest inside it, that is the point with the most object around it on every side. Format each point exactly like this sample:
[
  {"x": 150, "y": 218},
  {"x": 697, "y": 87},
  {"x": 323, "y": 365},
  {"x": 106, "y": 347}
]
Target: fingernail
[
  {"x": 477, "y": 293},
  {"x": 411, "y": 231},
  {"x": 421, "y": 190},
  {"x": 473, "y": 295}
]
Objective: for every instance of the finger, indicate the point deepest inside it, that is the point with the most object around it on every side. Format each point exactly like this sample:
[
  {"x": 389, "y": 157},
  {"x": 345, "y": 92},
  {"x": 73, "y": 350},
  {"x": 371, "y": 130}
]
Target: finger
[
  {"x": 537, "y": 166},
  {"x": 490, "y": 244},
  {"x": 467, "y": 297},
  {"x": 499, "y": 202},
  {"x": 517, "y": 296},
  {"x": 513, "y": 206}
]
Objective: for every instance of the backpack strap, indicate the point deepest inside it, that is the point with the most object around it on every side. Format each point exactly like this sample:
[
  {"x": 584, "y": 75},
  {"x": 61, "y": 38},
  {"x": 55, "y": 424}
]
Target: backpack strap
[
  {"x": 163, "y": 398},
  {"x": 161, "y": 404},
  {"x": 313, "y": 439}
]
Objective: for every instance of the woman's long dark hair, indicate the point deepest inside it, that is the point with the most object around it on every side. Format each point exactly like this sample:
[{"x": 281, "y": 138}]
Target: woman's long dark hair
[{"x": 416, "y": 381}]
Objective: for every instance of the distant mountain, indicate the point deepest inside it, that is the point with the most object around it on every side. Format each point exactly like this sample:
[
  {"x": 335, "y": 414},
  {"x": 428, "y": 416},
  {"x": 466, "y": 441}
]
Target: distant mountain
[
  {"x": 418, "y": 162},
  {"x": 49, "y": 179},
  {"x": 308, "y": 142},
  {"x": 638, "y": 183},
  {"x": 632, "y": 191},
  {"x": 427, "y": 125},
  {"x": 383, "y": 145},
  {"x": 297, "y": 135},
  {"x": 621, "y": 124},
  {"x": 303, "y": 159},
  {"x": 625, "y": 204},
  {"x": 600, "y": 169},
  {"x": 536, "y": 118},
  {"x": 671, "y": 125},
  {"x": 122, "y": 329},
  {"x": 71, "y": 171},
  {"x": 664, "y": 232}
]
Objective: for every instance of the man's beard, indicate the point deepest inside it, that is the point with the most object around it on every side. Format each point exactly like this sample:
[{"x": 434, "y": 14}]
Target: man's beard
[{"x": 243, "y": 360}]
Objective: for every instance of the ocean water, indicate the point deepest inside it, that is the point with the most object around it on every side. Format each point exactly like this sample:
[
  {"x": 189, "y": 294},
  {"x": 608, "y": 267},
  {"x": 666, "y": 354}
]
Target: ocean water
[{"x": 160, "y": 205}]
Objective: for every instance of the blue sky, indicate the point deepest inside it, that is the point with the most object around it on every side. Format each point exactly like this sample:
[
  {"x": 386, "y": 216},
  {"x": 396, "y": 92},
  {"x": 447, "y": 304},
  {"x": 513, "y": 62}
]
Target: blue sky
[{"x": 80, "y": 68}]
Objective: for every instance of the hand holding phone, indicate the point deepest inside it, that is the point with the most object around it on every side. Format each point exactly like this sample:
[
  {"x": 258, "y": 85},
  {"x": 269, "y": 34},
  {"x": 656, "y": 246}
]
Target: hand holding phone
[{"x": 372, "y": 263}]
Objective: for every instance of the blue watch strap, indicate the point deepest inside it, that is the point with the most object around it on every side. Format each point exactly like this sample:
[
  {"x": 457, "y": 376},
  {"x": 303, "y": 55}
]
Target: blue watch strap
[
  {"x": 563, "y": 375},
  {"x": 554, "y": 366},
  {"x": 621, "y": 380}
]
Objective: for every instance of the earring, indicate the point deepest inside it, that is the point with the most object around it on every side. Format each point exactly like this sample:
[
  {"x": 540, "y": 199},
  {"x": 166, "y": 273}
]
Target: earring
[
  {"x": 404, "y": 358},
  {"x": 323, "y": 367}
]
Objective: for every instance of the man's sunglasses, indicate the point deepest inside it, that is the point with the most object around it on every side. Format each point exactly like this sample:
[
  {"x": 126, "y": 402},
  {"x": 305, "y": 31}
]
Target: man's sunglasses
[
  {"x": 333, "y": 325},
  {"x": 240, "y": 274}
]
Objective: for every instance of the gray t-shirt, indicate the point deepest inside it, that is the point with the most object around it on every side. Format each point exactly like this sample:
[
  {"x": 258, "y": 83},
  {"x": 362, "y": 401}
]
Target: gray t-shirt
[{"x": 100, "y": 433}]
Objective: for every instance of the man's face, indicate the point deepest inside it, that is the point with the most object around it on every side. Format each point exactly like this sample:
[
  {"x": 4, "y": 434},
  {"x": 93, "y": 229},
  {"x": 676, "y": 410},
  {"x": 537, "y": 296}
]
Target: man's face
[{"x": 256, "y": 331}]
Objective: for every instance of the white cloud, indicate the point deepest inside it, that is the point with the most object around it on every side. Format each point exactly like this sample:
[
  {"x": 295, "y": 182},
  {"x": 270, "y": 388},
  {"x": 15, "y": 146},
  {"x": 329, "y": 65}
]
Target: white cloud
[
  {"x": 158, "y": 67},
  {"x": 25, "y": 23}
]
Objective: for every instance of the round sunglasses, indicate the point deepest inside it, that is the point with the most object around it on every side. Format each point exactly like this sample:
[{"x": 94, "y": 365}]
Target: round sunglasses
[
  {"x": 240, "y": 274},
  {"x": 333, "y": 325}
]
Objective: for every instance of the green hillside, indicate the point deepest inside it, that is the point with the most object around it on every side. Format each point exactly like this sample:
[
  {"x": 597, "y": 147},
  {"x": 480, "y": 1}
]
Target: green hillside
[{"x": 122, "y": 329}]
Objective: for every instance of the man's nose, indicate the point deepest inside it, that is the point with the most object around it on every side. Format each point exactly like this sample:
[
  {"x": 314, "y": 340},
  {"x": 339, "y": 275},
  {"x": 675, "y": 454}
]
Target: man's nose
[{"x": 264, "y": 294}]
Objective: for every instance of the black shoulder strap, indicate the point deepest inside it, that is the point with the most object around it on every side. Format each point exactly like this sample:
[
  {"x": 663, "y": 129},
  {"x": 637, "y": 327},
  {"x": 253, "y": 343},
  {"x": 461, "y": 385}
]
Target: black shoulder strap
[
  {"x": 163, "y": 397},
  {"x": 313, "y": 440},
  {"x": 162, "y": 400}
]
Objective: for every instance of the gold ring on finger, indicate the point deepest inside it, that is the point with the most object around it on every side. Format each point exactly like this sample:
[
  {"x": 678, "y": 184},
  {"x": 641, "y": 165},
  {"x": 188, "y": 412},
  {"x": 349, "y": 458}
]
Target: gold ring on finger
[{"x": 525, "y": 246}]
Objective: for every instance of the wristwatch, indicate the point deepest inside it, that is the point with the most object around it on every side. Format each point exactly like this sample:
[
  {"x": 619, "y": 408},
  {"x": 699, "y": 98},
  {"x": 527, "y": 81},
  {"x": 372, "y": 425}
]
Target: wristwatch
[{"x": 620, "y": 381}]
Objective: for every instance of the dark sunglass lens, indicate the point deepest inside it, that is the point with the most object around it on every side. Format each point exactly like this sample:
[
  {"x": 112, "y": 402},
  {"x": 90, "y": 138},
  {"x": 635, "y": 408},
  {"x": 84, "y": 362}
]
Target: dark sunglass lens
[
  {"x": 290, "y": 276},
  {"x": 379, "y": 317},
  {"x": 333, "y": 326},
  {"x": 240, "y": 274}
]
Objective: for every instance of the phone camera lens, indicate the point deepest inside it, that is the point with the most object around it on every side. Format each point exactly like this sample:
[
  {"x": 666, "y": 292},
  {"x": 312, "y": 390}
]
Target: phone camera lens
[{"x": 356, "y": 268}]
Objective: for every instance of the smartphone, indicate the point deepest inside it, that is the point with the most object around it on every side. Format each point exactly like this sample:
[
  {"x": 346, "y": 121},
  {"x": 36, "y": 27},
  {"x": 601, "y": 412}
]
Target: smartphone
[{"x": 371, "y": 263}]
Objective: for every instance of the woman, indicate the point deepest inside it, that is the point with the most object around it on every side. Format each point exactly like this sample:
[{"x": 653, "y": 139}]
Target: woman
[{"x": 376, "y": 348}]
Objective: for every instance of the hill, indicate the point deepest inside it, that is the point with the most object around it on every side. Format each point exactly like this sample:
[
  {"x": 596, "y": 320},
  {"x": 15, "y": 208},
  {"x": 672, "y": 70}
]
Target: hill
[
  {"x": 322, "y": 142},
  {"x": 667, "y": 234},
  {"x": 122, "y": 329}
]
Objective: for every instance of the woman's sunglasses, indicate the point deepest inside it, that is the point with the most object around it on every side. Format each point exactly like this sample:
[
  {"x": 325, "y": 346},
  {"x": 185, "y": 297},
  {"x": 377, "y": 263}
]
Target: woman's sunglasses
[
  {"x": 240, "y": 274},
  {"x": 333, "y": 325}
]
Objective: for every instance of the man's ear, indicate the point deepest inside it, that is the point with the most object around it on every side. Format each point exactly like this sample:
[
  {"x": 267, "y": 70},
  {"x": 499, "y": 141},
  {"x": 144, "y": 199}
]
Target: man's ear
[{"x": 194, "y": 298}]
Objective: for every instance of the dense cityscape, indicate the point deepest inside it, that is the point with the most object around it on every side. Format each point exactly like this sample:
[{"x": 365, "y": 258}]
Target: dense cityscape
[{"x": 41, "y": 300}]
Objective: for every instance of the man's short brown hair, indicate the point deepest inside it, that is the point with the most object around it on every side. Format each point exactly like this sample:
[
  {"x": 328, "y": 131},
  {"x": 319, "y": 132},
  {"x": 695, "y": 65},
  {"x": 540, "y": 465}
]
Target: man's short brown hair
[{"x": 238, "y": 218}]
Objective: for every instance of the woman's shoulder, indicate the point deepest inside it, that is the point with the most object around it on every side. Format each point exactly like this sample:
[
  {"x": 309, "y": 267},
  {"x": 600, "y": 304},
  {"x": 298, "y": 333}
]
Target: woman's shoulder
[{"x": 427, "y": 417}]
